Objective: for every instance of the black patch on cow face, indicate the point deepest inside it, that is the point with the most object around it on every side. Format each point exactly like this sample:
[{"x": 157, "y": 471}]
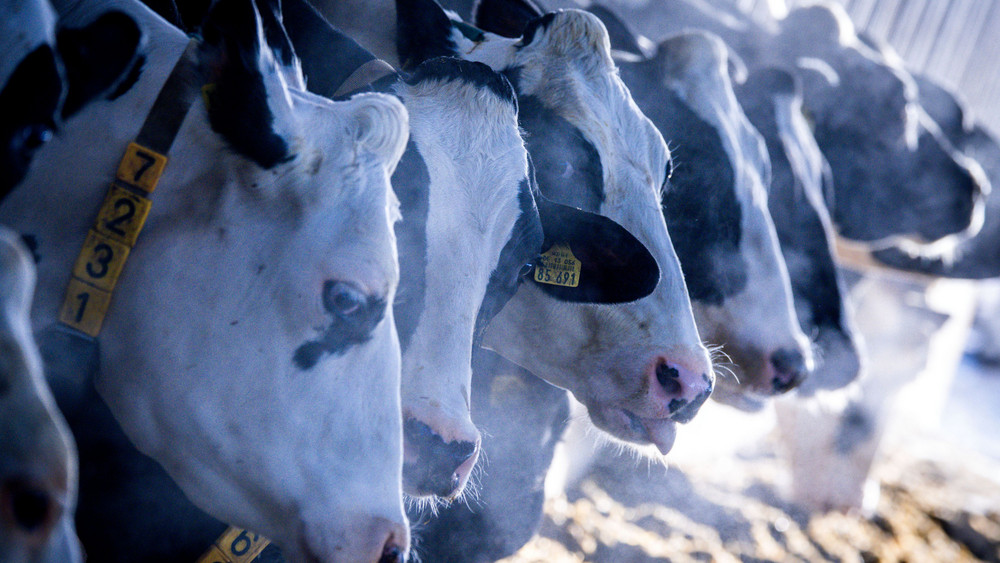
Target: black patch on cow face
[
  {"x": 423, "y": 31},
  {"x": 96, "y": 57},
  {"x": 29, "y": 100},
  {"x": 516, "y": 259},
  {"x": 411, "y": 182},
  {"x": 129, "y": 80},
  {"x": 567, "y": 165},
  {"x": 353, "y": 318},
  {"x": 476, "y": 74},
  {"x": 239, "y": 110},
  {"x": 699, "y": 203}
]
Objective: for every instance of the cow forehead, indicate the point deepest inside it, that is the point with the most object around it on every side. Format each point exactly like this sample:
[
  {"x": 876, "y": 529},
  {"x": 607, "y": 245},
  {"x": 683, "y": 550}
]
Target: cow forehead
[{"x": 24, "y": 26}]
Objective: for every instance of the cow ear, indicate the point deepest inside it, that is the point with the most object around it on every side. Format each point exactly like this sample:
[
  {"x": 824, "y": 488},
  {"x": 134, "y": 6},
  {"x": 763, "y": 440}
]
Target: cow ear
[
  {"x": 423, "y": 31},
  {"x": 614, "y": 266},
  {"x": 244, "y": 101},
  {"x": 506, "y": 18},
  {"x": 622, "y": 38},
  {"x": 96, "y": 58}
]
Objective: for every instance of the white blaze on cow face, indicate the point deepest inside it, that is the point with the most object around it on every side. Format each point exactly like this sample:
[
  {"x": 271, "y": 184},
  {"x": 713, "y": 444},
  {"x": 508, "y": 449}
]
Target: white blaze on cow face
[
  {"x": 640, "y": 366},
  {"x": 250, "y": 346},
  {"x": 38, "y": 472},
  {"x": 468, "y": 155},
  {"x": 756, "y": 325}
]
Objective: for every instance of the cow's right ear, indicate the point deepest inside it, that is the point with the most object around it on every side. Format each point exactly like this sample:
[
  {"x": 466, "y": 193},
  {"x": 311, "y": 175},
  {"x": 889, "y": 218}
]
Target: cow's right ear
[
  {"x": 237, "y": 65},
  {"x": 506, "y": 18},
  {"x": 101, "y": 57},
  {"x": 611, "y": 265},
  {"x": 423, "y": 31}
]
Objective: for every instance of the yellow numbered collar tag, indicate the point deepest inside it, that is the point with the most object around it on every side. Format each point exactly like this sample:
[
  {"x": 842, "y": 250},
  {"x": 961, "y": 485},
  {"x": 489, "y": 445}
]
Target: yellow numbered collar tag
[{"x": 558, "y": 266}]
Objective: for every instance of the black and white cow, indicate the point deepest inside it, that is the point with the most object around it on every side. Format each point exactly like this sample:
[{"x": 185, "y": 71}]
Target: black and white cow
[
  {"x": 269, "y": 243},
  {"x": 976, "y": 257},
  {"x": 716, "y": 210},
  {"x": 638, "y": 367},
  {"x": 46, "y": 75},
  {"x": 772, "y": 100},
  {"x": 38, "y": 470},
  {"x": 893, "y": 177},
  {"x": 592, "y": 149},
  {"x": 473, "y": 223}
]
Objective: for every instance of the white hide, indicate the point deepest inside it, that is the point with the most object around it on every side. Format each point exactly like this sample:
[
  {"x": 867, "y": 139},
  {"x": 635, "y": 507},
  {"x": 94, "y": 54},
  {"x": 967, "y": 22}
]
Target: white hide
[
  {"x": 602, "y": 353},
  {"x": 224, "y": 284},
  {"x": 37, "y": 452},
  {"x": 475, "y": 157},
  {"x": 759, "y": 320},
  {"x": 25, "y": 26}
]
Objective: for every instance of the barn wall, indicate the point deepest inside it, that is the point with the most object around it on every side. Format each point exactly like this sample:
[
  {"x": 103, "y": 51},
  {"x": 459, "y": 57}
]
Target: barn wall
[{"x": 956, "y": 42}]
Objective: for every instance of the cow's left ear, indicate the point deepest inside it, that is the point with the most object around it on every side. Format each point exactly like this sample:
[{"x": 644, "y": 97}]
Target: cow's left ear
[
  {"x": 102, "y": 57},
  {"x": 506, "y": 18},
  {"x": 245, "y": 105},
  {"x": 423, "y": 31},
  {"x": 622, "y": 38},
  {"x": 611, "y": 265}
]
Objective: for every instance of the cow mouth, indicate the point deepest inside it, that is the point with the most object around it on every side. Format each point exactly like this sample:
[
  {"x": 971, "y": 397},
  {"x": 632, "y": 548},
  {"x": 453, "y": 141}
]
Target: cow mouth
[
  {"x": 741, "y": 398},
  {"x": 626, "y": 425}
]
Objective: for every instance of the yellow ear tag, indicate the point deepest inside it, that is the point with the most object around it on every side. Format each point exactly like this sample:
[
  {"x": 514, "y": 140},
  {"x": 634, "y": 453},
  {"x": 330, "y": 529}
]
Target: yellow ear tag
[
  {"x": 558, "y": 266},
  {"x": 206, "y": 95}
]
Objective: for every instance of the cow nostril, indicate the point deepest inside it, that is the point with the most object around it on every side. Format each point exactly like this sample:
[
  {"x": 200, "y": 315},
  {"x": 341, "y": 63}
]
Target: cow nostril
[
  {"x": 789, "y": 368},
  {"x": 391, "y": 554},
  {"x": 669, "y": 378},
  {"x": 30, "y": 507}
]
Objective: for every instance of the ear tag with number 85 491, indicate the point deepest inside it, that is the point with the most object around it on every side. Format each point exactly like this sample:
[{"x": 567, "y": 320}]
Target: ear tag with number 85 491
[{"x": 558, "y": 266}]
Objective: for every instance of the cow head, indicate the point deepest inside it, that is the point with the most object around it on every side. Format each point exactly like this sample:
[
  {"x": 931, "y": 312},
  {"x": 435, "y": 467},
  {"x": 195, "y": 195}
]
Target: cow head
[
  {"x": 38, "y": 470},
  {"x": 48, "y": 74},
  {"x": 715, "y": 209},
  {"x": 250, "y": 347},
  {"x": 892, "y": 175},
  {"x": 638, "y": 366},
  {"x": 772, "y": 100}
]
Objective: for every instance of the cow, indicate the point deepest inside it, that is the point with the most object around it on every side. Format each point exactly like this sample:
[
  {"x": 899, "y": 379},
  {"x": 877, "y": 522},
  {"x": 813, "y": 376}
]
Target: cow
[
  {"x": 465, "y": 161},
  {"x": 887, "y": 162},
  {"x": 249, "y": 347},
  {"x": 38, "y": 468},
  {"x": 48, "y": 73},
  {"x": 976, "y": 257},
  {"x": 716, "y": 211},
  {"x": 614, "y": 165},
  {"x": 772, "y": 100}
]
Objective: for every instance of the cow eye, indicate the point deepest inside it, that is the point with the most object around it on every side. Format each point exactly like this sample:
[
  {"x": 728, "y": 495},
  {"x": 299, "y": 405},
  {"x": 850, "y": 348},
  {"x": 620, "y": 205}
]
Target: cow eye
[
  {"x": 343, "y": 299},
  {"x": 525, "y": 270},
  {"x": 32, "y": 137}
]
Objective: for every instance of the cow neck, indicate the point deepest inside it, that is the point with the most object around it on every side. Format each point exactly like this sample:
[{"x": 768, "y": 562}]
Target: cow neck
[{"x": 127, "y": 203}]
